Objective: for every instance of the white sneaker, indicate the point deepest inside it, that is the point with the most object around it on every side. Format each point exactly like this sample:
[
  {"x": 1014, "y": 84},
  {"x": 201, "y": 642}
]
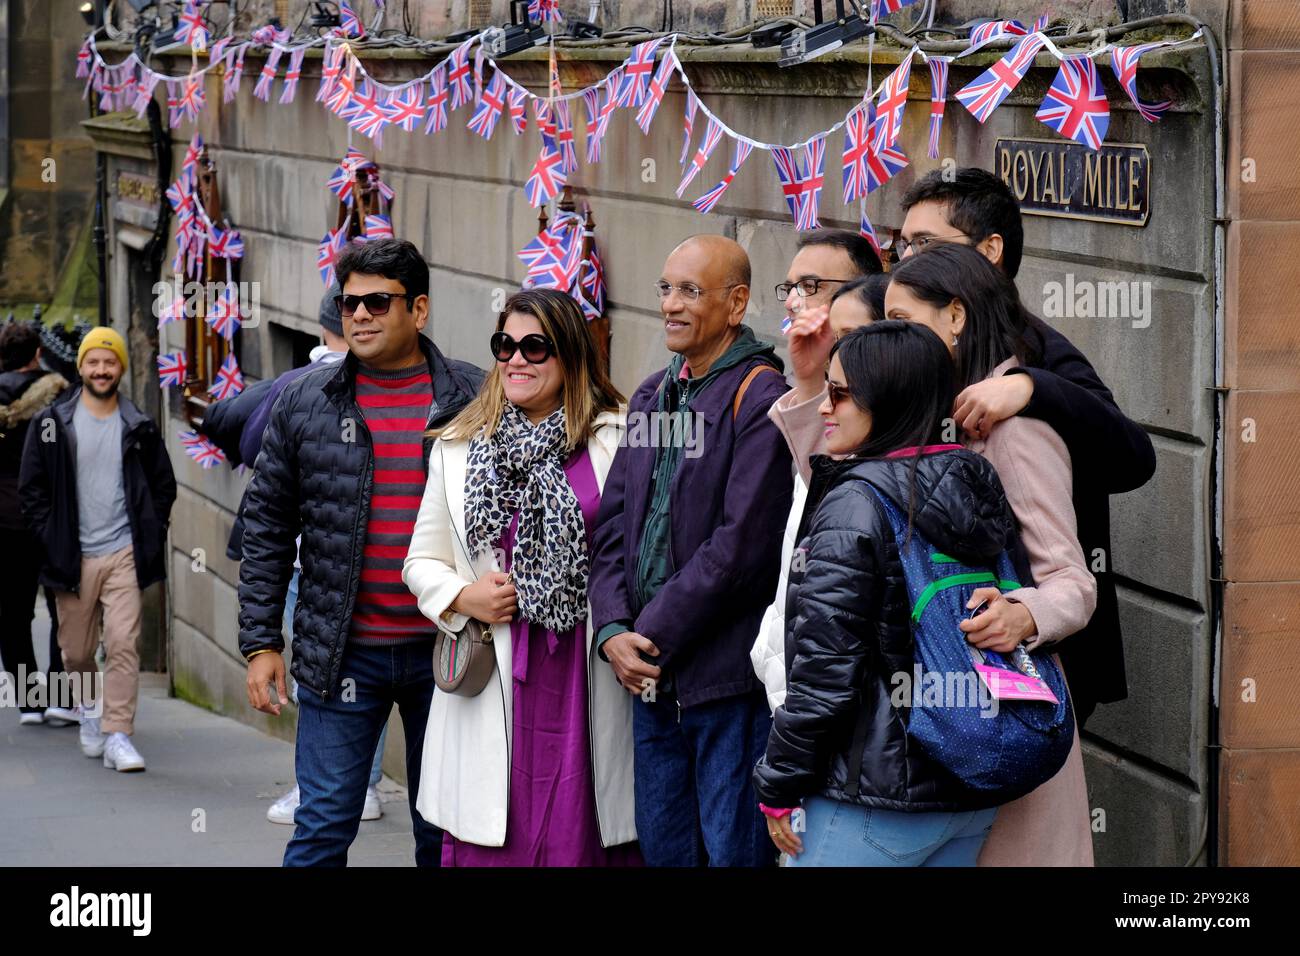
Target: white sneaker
[
  {"x": 92, "y": 738},
  {"x": 373, "y": 810},
  {"x": 61, "y": 716},
  {"x": 120, "y": 755},
  {"x": 31, "y": 717},
  {"x": 282, "y": 810}
]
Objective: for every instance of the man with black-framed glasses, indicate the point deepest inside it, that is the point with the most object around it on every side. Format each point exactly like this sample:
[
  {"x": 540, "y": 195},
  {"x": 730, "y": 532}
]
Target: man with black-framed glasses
[{"x": 342, "y": 462}]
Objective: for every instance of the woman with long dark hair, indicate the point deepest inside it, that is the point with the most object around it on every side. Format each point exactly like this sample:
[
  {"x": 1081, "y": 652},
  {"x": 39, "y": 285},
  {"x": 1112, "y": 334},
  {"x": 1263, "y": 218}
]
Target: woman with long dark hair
[
  {"x": 536, "y": 769},
  {"x": 839, "y": 749},
  {"x": 974, "y": 309}
]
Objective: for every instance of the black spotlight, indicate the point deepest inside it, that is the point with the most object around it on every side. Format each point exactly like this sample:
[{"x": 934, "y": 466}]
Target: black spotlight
[{"x": 815, "y": 41}]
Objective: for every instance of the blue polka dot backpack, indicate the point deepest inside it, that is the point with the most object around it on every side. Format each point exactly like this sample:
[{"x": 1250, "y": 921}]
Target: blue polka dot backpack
[{"x": 1001, "y": 744}]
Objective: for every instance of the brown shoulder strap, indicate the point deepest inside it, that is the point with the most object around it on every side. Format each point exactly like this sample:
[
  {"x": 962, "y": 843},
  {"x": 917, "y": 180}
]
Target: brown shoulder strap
[{"x": 744, "y": 387}]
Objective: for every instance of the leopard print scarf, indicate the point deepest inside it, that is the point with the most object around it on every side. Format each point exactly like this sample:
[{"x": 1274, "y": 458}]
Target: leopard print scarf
[{"x": 521, "y": 468}]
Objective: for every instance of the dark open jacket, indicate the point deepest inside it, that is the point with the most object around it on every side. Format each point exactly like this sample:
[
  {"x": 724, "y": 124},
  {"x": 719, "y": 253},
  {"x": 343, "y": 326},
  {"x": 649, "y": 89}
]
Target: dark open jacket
[
  {"x": 22, "y": 395},
  {"x": 727, "y": 512},
  {"x": 848, "y": 631},
  {"x": 314, "y": 475},
  {"x": 48, "y": 491}
]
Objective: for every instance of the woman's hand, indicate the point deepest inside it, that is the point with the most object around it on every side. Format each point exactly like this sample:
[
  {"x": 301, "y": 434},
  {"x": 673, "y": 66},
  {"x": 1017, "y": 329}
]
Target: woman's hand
[
  {"x": 1001, "y": 626},
  {"x": 981, "y": 406},
  {"x": 783, "y": 835},
  {"x": 491, "y": 599},
  {"x": 810, "y": 339}
]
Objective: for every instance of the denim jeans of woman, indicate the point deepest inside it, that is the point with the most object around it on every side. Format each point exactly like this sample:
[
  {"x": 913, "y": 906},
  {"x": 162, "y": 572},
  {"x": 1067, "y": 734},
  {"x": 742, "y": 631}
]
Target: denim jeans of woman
[{"x": 846, "y": 834}]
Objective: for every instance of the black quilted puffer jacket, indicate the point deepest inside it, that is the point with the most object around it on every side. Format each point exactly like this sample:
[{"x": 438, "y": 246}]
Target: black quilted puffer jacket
[
  {"x": 310, "y": 479},
  {"x": 848, "y": 631}
]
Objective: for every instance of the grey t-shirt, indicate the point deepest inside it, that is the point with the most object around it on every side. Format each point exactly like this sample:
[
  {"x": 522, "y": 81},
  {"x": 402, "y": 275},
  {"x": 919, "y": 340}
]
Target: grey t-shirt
[{"x": 101, "y": 499}]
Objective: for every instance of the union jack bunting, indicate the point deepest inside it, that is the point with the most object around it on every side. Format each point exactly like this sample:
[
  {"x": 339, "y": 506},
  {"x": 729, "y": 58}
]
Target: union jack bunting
[
  {"x": 591, "y": 99},
  {"x": 225, "y": 244},
  {"x": 883, "y": 166},
  {"x": 893, "y": 101},
  {"x": 883, "y": 8},
  {"x": 658, "y": 86},
  {"x": 173, "y": 104},
  {"x": 171, "y": 369},
  {"x": 556, "y": 89},
  {"x": 857, "y": 150},
  {"x": 201, "y": 450},
  {"x": 545, "y": 117},
  {"x": 637, "y": 69},
  {"x": 1075, "y": 105},
  {"x": 331, "y": 66},
  {"x": 938, "y": 100},
  {"x": 458, "y": 76},
  {"x": 406, "y": 106},
  {"x": 263, "y": 88},
  {"x": 491, "y": 104},
  {"x": 564, "y": 138},
  {"x": 109, "y": 86},
  {"x": 368, "y": 111},
  {"x": 84, "y": 59},
  {"x": 802, "y": 189},
  {"x": 174, "y": 311},
  {"x": 191, "y": 101},
  {"x": 268, "y": 34},
  {"x": 710, "y": 199},
  {"x": 379, "y": 226},
  {"x": 292, "y": 75},
  {"x": 224, "y": 315},
  {"x": 987, "y": 91},
  {"x": 712, "y": 136},
  {"x": 597, "y": 135},
  {"x": 591, "y": 287},
  {"x": 192, "y": 30},
  {"x": 230, "y": 380},
  {"x": 991, "y": 30},
  {"x": 688, "y": 124},
  {"x": 866, "y": 230},
  {"x": 518, "y": 114},
  {"x": 346, "y": 171},
  {"x": 350, "y": 24},
  {"x": 552, "y": 247},
  {"x": 339, "y": 99},
  {"x": 1124, "y": 63},
  {"x": 234, "y": 73},
  {"x": 436, "y": 107},
  {"x": 218, "y": 49},
  {"x": 544, "y": 10},
  {"x": 144, "y": 88},
  {"x": 327, "y": 253},
  {"x": 546, "y": 178}
]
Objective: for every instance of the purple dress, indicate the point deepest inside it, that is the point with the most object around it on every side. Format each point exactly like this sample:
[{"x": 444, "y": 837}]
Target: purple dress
[{"x": 551, "y": 817}]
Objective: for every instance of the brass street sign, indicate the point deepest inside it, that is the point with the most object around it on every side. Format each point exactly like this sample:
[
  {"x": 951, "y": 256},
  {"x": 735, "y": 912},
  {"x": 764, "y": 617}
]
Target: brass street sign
[
  {"x": 1052, "y": 177},
  {"x": 134, "y": 188}
]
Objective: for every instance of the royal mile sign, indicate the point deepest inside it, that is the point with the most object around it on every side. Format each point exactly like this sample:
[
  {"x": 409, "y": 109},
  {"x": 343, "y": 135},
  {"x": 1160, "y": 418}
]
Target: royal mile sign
[{"x": 1052, "y": 177}]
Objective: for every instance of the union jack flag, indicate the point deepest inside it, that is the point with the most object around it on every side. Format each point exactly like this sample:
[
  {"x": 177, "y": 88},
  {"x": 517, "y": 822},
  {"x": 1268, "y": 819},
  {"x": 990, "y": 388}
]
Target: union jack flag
[
  {"x": 867, "y": 231},
  {"x": 636, "y": 73},
  {"x": 802, "y": 189},
  {"x": 882, "y": 166},
  {"x": 406, "y": 106},
  {"x": 293, "y": 75},
  {"x": 547, "y": 175},
  {"x": 84, "y": 58},
  {"x": 857, "y": 150},
  {"x": 544, "y": 10},
  {"x": 174, "y": 311},
  {"x": 234, "y": 72},
  {"x": 171, "y": 369},
  {"x": 367, "y": 113},
  {"x": 190, "y": 162},
  {"x": 458, "y": 75},
  {"x": 437, "y": 105},
  {"x": 263, "y": 88},
  {"x": 350, "y": 24},
  {"x": 218, "y": 49},
  {"x": 597, "y": 135},
  {"x": 1124, "y": 63},
  {"x": 201, "y": 450},
  {"x": 230, "y": 380},
  {"x": 346, "y": 171},
  {"x": 224, "y": 315},
  {"x": 551, "y": 252},
  {"x": 938, "y": 99},
  {"x": 545, "y": 117},
  {"x": 710, "y": 199},
  {"x": 591, "y": 287},
  {"x": 331, "y": 66},
  {"x": 340, "y": 96},
  {"x": 893, "y": 101},
  {"x": 564, "y": 138},
  {"x": 144, "y": 88},
  {"x": 883, "y": 8},
  {"x": 712, "y": 136},
  {"x": 493, "y": 101},
  {"x": 688, "y": 124},
  {"x": 379, "y": 226},
  {"x": 518, "y": 115},
  {"x": 658, "y": 86},
  {"x": 225, "y": 245},
  {"x": 987, "y": 91},
  {"x": 192, "y": 29},
  {"x": 327, "y": 253},
  {"x": 1076, "y": 106},
  {"x": 191, "y": 101}
]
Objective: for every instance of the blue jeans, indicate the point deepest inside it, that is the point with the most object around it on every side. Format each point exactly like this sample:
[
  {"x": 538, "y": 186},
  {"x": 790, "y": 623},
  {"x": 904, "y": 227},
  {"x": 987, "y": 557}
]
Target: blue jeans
[
  {"x": 846, "y": 834},
  {"x": 695, "y": 801},
  {"x": 336, "y": 746},
  {"x": 291, "y": 602}
]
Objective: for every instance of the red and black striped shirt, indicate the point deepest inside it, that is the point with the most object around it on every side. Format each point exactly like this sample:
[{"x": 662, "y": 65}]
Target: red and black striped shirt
[{"x": 395, "y": 406}]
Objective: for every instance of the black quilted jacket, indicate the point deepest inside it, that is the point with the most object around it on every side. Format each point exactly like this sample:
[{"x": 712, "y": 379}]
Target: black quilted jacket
[
  {"x": 314, "y": 476},
  {"x": 847, "y": 631}
]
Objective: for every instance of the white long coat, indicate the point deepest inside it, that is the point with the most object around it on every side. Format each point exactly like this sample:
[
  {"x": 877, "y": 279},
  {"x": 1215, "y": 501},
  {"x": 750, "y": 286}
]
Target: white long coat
[{"x": 465, "y": 769}]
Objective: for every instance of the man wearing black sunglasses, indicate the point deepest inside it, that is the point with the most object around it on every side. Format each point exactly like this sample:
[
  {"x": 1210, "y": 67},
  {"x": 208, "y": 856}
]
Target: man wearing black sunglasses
[{"x": 343, "y": 462}]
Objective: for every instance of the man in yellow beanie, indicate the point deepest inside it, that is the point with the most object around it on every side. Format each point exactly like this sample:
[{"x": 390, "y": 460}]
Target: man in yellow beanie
[{"x": 97, "y": 488}]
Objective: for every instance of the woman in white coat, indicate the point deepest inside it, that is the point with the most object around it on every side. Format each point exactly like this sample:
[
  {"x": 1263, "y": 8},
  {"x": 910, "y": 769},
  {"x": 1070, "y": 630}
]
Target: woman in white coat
[{"x": 536, "y": 770}]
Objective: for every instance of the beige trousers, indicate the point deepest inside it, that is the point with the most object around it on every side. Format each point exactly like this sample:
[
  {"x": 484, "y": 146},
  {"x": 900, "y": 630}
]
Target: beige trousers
[{"x": 108, "y": 587}]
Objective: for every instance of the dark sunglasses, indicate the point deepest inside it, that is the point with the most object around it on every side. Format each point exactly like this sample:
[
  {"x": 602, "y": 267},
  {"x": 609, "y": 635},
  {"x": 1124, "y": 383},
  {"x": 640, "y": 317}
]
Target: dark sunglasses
[
  {"x": 536, "y": 348},
  {"x": 837, "y": 393},
  {"x": 376, "y": 302}
]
